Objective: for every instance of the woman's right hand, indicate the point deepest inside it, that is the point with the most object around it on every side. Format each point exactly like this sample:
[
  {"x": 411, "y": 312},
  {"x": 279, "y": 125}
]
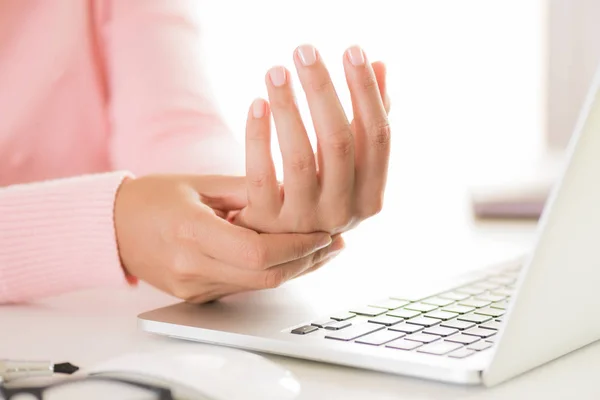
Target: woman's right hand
[{"x": 172, "y": 232}]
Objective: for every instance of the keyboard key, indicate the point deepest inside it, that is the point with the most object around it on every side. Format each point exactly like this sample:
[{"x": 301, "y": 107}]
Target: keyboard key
[
  {"x": 380, "y": 337},
  {"x": 354, "y": 331},
  {"x": 487, "y": 285},
  {"x": 423, "y": 321},
  {"x": 456, "y": 296},
  {"x": 422, "y": 307},
  {"x": 440, "y": 331},
  {"x": 503, "y": 292},
  {"x": 481, "y": 345},
  {"x": 338, "y": 325},
  {"x": 502, "y": 305},
  {"x": 477, "y": 318},
  {"x": 403, "y": 313},
  {"x": 498, "y": 319},
  {"x": 422, "y": 337},
  {"x": 458, "y": 309},
  {"x": 368, "y": 311},
  {"x": 461, "y": 338},
  {"x": 491, "y": 325},
  {"x": 491, "y": 339},
  {"x": 323, "y": 323},
  {"x": 462, "y": 353},
  {"x": 503, "y": 280},
  {"x": 343, "y": 316},
  {"x": 389, "y": 304},
  {"x": 386, "y": 320},
  {"x": 492, "y": 312},
  {"x": 443, "y": 315},
  {"x": 490, "y": 297},
  {"x": 482, "y": 333},
  {"x": 439, "y": 348},
  {"x": 404, "y": 344},
  {"x": 475, "y": 303},
  {"x": 438, "y": 301},
  {"x": 456, "y": 324},
  {"x": 303, "y": 330},
  {"x": 406, "y": 328},
  {"x": 472, "y": 290}
]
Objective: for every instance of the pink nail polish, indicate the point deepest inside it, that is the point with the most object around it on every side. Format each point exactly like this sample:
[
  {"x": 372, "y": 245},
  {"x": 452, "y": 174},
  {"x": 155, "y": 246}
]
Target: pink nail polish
[
  {"x": 278, "y": 76},
  {"x": 307, "y": 54},
  {"x": 356, "y": 55},
  {"x": 258, "y": 108}
]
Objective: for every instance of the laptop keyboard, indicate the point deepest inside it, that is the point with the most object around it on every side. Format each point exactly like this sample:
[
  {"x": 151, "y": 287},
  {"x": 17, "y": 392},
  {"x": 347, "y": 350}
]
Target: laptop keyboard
[{"x": 457, "y": 323}]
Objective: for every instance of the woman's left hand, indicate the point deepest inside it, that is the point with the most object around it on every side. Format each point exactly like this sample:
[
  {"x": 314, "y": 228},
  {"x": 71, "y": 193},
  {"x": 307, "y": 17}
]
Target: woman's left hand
[{"x": 344, "y": 182}]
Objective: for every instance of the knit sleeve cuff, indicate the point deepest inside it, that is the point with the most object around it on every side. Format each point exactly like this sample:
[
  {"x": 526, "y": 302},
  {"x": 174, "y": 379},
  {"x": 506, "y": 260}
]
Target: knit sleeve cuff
[{"x": 59, "y": 236}]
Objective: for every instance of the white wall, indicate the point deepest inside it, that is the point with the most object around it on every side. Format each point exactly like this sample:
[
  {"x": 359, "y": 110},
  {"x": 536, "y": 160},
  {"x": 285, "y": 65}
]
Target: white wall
[
  {"x": 465, "y": 75},
  {"x": 573, "y": 54}
]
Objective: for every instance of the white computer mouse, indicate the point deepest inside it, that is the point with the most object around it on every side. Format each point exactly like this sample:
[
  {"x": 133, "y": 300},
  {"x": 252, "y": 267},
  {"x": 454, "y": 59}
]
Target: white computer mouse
[{"x": 208, "y": 372}]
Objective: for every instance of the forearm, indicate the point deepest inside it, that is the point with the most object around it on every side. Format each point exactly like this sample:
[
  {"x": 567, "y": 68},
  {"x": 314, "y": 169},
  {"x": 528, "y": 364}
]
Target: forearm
[{"x": 58, "y": 236}]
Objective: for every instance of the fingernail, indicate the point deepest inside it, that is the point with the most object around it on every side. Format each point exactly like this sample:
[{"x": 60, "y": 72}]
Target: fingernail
[
  {"x": 324, "y": 241},
  {"x": 277, "y": 76},
  {"x": 337, "y": 245},
  {"x": 307, "y": 54},
  {"x": 258, "y": 108},
  {"x": 356, "y": 55}
]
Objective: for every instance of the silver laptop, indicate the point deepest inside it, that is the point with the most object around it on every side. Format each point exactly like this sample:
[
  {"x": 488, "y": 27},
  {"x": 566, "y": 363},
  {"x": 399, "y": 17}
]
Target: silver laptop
[{"x": 482, "y": 329}]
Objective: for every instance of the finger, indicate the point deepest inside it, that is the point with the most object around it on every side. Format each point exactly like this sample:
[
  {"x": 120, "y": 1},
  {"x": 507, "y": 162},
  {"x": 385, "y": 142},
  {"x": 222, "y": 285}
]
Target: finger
[
  {"x": 325, "y": 255},
  {"x": 245, "y": 248},
  {"x": 299, "y": 168},
  {"x": 263, "y": 188},
  {"x": 381, "y": 75},
  {"x": 220, "y": 192},
  {"x": 371, "y": 129},
  {"x": 335, "y": 139}
]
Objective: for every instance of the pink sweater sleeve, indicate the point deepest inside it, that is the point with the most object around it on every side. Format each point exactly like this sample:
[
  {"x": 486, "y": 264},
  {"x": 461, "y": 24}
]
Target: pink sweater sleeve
[
  {"x": 164, "y": 117},
  {"x": 58, "y": 236}
]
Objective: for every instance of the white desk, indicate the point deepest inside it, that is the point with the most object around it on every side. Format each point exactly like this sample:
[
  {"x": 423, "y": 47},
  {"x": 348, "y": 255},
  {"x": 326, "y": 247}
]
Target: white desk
[{"x": 89, "y": 327}]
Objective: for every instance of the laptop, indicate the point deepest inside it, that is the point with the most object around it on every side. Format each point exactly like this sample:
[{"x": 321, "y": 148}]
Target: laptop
[{"x": 481, "y": 329}]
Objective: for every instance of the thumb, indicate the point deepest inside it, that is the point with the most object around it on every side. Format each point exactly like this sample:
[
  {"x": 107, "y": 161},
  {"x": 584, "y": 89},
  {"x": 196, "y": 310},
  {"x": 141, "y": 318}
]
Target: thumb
[{"x": 221, "y": 192}]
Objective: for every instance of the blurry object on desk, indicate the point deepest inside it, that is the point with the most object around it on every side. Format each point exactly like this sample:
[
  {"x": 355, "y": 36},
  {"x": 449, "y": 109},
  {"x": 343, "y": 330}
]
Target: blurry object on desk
[{"x": 522, "y": 193}]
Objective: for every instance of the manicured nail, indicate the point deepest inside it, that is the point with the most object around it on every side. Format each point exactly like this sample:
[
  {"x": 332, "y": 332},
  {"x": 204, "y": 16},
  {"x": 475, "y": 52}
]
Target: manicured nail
[
  {"x": 277, "y": 76},
  {"x": 356, "y": 55},
  {"x": 258, "y": 108},
  {"x": 324, "y": 242},
  {"x": 307, "y": 54}
]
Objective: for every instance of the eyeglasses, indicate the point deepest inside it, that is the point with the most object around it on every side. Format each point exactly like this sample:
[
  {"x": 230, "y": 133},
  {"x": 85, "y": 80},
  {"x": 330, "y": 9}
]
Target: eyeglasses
[{"x": 80, "y": 388}]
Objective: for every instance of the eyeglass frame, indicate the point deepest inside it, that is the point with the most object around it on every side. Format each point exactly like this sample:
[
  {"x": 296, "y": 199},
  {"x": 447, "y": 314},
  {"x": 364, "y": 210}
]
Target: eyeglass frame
[{"x": 7, "y": 393}]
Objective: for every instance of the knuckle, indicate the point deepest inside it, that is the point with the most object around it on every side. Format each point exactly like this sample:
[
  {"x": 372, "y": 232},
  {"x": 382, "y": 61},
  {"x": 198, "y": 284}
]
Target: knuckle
[
  {"x": 180, "y": 291},
  {"x": 302, "y": 162},
  {"x": 301, "y": 248},
  {"x": 380, "y": 134},
  {"x": 254, "y": 252},
  {"x": 280, "y": 102},
  {"x": 369, "y": 82},
  {"x": 341, "y": 142},
  {"x": 372, "y": 208},
  {"x": 273, "y": 278},
  {"x": 178, "y": 267},
  {"x": 260, "y": 179},
  {"x": 321, "y": 86}
]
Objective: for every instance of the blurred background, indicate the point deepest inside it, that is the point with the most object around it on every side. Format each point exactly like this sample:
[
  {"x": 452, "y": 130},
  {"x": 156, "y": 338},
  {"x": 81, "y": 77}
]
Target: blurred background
[{"x": 483, "y": 92}]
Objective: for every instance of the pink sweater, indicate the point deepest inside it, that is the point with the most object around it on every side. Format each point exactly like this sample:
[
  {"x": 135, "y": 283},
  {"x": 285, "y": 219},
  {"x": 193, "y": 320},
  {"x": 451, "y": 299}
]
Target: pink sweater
[{"x": 88, "y": 88}]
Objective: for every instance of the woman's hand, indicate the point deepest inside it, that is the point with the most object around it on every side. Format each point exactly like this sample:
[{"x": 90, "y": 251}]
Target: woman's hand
[
  {"x": 344, "y": 183},
  {"x": 171, "y": 232}
]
